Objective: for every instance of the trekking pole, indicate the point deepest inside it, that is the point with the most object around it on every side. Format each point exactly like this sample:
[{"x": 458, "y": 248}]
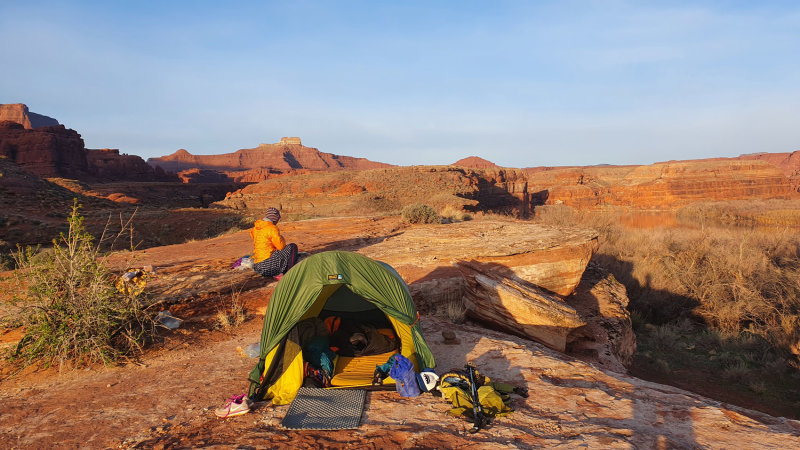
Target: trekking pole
[{"x": 477, "y": 408}]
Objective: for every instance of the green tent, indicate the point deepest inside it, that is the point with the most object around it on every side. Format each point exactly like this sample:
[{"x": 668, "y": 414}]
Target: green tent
[{"x": 338, "y": 281}]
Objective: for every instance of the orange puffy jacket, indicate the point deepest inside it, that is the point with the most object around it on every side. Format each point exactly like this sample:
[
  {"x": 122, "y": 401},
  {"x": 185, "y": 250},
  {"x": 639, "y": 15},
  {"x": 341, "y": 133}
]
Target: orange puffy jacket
[{"x": 266, "y": 239}]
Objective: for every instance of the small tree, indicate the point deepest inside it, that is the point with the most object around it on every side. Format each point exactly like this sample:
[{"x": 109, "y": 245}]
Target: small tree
[{"x": 74, "y": 313}]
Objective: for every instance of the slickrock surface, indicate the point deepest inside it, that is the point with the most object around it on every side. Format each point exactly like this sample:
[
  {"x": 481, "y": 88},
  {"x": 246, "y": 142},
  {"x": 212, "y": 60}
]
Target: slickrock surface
[{"x": 168, "y": 399}]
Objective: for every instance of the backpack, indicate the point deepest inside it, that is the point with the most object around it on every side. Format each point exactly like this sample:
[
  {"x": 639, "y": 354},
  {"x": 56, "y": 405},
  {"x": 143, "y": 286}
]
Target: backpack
[{"x": 493, "y": 397}]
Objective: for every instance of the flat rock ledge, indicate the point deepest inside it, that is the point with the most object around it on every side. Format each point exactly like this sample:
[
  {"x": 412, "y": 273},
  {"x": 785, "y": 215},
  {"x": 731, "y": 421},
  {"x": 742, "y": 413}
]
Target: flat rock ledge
[{"x": 523, "y": 278}]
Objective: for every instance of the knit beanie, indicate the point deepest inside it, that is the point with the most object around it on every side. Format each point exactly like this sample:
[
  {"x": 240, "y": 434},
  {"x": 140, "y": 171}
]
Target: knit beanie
[{"x": 272, "y": 215}]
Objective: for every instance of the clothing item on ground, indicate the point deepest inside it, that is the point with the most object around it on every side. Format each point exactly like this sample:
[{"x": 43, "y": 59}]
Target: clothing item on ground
[
  {"x": 280, "y": 262},
  {"x": 403, "y": 373}
]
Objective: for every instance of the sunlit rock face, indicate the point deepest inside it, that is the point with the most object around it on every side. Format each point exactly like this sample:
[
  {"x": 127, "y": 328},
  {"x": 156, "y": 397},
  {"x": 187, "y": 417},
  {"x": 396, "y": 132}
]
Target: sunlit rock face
[
  {"x": 49, "y": 151},
  {"x": 19, "y": 113}
]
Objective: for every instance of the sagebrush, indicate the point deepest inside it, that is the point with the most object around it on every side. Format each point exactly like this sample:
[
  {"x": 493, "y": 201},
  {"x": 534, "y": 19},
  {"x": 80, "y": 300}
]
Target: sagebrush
[{"x": 73, "y": 313}]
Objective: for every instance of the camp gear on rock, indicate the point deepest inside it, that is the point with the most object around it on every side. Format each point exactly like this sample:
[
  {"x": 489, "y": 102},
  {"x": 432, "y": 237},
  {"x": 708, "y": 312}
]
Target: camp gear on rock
[
  {"x": 325, "y": 409},
  {"x": 132, "y": 282},
  {"x": 168, "y": 320},
  {"x": 427, "y": 380},
  {"x": 477, "y": 408},
  {"x": 245, "y": 262},
  {"x": 493, "y": 397},
  {"x": 236, "y": 406},
  {"x": 345, "y": 285},
  {"x": 403, "y": 373}
]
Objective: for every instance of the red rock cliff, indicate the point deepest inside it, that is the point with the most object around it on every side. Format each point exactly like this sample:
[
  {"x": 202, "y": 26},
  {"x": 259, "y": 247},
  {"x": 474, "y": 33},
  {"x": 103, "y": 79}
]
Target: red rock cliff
[{"x": 51, "y": 151}]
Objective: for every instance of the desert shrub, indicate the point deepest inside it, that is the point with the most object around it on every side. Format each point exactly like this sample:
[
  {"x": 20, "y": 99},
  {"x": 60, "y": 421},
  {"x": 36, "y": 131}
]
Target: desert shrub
[
  {"x": 450, "y": 214},
  {"x": 74, "y": 313},
  {"x": 419, "y": 213}
]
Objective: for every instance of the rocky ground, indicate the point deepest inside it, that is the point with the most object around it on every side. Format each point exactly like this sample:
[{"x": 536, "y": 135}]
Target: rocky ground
[{"x": 166, "y": 399}]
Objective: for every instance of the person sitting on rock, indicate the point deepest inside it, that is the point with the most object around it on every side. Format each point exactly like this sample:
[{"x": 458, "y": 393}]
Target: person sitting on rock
[{"x": 271, "y": 255}]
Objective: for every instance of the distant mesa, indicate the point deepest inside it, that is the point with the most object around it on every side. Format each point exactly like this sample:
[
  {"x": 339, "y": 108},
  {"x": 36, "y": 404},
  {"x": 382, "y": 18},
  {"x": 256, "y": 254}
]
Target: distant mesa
[
  {"x": 18, "y": 112},
  {"x": 259, "y": 163},
  {"x": 475, "y": 162},
  {"x": 289, "y": 141}
]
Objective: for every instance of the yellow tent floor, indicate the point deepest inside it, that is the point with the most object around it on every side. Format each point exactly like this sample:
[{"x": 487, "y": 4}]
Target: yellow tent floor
[{"x": 358, "y": 370}]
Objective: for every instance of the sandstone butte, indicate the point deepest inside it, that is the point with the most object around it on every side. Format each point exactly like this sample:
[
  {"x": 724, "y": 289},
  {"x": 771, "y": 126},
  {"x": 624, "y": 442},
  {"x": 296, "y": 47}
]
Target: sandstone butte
[
  {"x": 475, "y": 162},
  {"x": 575, "y": 399},
  {"x": 255, "y": 164}
]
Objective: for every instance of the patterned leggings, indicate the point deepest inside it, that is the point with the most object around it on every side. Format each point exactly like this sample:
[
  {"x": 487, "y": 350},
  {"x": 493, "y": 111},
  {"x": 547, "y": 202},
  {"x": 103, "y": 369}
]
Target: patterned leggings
[{"x": 280, "y": 262}]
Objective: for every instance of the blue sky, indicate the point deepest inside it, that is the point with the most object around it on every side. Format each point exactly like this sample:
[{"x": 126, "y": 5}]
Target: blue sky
[{"x": 520, "y": 83}]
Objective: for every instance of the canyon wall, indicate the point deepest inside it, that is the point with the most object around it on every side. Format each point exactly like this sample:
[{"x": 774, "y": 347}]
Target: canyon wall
[
  {"x": 661, "y": 186},
  {"x": 788, "y": 163}
]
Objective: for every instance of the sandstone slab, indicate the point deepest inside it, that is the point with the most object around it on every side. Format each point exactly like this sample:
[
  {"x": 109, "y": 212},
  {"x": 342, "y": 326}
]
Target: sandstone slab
[
  {"x": 551, "y": 258},
  {"x": 519, "y": 308}
]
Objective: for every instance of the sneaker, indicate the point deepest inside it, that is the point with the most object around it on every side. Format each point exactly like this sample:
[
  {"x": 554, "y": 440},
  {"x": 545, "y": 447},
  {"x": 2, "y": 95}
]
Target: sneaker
[{"x": 236, "y": 406}]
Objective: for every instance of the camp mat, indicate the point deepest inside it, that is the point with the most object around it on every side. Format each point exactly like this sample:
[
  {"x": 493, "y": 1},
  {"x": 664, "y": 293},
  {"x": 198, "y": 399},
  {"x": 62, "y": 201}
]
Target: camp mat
[{"x": 325, "y": 409}]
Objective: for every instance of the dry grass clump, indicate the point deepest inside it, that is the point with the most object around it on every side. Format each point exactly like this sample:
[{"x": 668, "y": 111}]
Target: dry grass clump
[
  {"x": 736, "y": 280},
  {"x": 233, "y": 314},
  {"x": 419, "y": 213},
  {"x": 451, "y": 214},
  {"x": 452, "y": 307},
  {"x": 773, "y": 212},
  {"x": 565, "y": 216}
]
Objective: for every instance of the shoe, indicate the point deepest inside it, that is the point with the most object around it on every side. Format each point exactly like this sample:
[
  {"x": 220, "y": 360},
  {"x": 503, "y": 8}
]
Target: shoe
[
  {"x": 236, "y": 406},
  {"x": 278, "y": 277}
]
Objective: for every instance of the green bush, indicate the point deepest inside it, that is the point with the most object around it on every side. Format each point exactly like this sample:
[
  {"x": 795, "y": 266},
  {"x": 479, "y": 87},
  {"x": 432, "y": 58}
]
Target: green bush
[
  {"x": 419, "y": 213},
  {"x": 74, "y": 313}
]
